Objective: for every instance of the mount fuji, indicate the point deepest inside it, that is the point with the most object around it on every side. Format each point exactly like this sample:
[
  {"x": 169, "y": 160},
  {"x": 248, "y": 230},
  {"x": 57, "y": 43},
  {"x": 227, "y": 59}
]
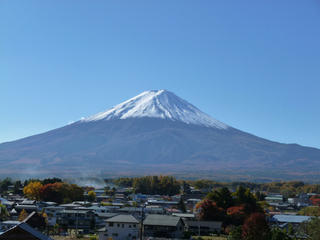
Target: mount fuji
[{"x": 157, "y": 132}]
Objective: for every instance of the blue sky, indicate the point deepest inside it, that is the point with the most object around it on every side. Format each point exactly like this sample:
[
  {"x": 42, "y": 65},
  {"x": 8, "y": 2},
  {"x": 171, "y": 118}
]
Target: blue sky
[{"x": 254, "y": 65}]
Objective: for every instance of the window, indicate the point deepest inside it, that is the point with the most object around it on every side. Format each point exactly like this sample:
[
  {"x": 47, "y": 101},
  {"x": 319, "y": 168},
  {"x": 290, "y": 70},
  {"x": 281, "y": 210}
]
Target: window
[
  {"x": 134, "y": 225},
  {"x": 118, "y": 225},
  {"x": 122, "y": 225},
  {"x": 110, "y": 224},
  {"x": 129, "y": 226},
  {"x": 106, "y": 234},
  {"x": 115, "y": 234}
]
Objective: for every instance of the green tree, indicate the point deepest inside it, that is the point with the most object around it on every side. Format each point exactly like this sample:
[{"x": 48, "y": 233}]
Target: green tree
[
  {"x": 93, "y": 223},
  {"x": 199, "y": 184},
  {"x": 3, "y": 212},
  {"x": 222, "y": 198},
  {"x": 181, "y": 206},
  {"x": 17, "y": 187},
  {"x": 311, "y": 228},
  {"x": 244, "y": 197},
  {"x": 236, "y": 233},
  {"x": 277, "y": 234}
]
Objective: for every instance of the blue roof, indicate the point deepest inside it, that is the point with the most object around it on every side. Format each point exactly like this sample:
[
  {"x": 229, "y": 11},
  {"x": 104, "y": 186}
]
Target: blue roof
[{"x": 289, "y": 218}]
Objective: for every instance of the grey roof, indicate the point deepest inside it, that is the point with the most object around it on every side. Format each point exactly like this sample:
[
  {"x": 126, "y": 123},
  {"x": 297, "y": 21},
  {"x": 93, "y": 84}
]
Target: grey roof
[
  {"x": 28, "y": 229},
  {"x": 98, "y": 208},
  {"x": 26, "y": 206},
  {"x": 28, "y": 202},
  {"x": 289, "y": 218},
  {"x": 184, "y": 215},
  {"x": 55, "y": 208},
  {"x": 161, "y": 220},
  {"x": 10, "y": 203},
  {"x": 210, "y": 224},
  {"x": 70, "y": 205},
  {"x": 106, "y": 215},
  {"x": 77, "y": 211},
  {"x": 130, "y": 209},
  {"x": 123, "y": 219}
]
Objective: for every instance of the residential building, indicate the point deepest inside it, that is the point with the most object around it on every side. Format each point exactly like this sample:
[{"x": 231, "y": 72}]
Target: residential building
[
  {"x": 163, "y": 226},
  {"x": 120, "y": 227},
  {"x": 77, "y": 219}
]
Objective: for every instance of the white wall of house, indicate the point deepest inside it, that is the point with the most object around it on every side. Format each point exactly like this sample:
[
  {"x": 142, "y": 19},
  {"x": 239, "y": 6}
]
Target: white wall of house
[{"x": 120, "y": 231}]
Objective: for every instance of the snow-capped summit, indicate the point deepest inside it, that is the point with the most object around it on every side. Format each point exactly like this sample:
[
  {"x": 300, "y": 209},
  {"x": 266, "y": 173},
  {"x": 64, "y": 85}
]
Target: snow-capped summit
[{"x": 158, "y": 104}]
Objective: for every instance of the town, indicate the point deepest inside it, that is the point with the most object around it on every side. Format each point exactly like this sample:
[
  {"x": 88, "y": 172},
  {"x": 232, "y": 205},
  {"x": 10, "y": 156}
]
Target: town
[{"x": 159, "y": 207}]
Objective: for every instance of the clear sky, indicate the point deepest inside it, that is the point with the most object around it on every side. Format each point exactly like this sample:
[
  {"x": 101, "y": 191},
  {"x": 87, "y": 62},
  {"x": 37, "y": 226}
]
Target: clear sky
[{"x": 254, "y": 65}]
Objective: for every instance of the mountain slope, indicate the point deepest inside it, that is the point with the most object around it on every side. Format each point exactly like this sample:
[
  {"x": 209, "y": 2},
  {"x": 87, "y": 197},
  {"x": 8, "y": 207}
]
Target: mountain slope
[{"x": 156, "y": 131}]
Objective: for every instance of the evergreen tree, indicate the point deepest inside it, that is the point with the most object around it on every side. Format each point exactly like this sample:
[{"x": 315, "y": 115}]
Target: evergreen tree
[{"x": 181, "y": 206}]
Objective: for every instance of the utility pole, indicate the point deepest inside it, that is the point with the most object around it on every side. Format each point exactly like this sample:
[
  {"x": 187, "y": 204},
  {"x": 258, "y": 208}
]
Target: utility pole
[
  {"x": 77, "y": 221},
  {"x": 141, "y": 225},
  {"x": 199, "y": 209}
]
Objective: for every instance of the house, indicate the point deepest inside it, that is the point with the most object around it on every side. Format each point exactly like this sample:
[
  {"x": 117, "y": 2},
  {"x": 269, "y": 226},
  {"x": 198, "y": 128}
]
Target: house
[
  {"x": 185, "y": 216},
  {"x": 36, "y": 221},
  {"x": 300, "y": 202},
  {"x": 205, "y": 227},
  {"x": 163, "y": 226},
  {"x": 120, "y": 227},
  {"x": 101, "y": 217},
  {"x": 23, "y": 231},
  {"x": 54, "y": 211},
  {"x": 130, "y": 210},
  {"x": 28, "y": 208},
  {"x": 154, "y": 210},
  {"x": 75, "y": 218},
  {"x": 276, "y": 199}
]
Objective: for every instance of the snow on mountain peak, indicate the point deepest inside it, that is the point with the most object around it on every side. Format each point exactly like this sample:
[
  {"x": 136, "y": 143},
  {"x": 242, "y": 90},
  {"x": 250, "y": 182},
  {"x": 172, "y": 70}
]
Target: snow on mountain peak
[{"x": 158, "y": 104}]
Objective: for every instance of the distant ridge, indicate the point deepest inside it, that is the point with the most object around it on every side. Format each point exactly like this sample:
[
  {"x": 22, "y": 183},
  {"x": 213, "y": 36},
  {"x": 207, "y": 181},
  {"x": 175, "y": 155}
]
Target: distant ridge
[{"x": 157, "y": 132}]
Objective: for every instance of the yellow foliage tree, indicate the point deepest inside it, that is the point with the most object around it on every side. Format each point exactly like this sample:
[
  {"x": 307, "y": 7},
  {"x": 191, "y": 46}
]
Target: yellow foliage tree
[
  {"x": 22, "y": 215},
  {"x": 32, "y": 190},
  {"x": 92, "y": 195}
]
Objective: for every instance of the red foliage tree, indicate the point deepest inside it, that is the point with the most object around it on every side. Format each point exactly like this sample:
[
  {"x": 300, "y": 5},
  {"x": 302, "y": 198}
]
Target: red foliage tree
[
  {"x": 315, "y": 200},
  {"x": 255, "y": 227},
  {"x": 209, "y": 211}
]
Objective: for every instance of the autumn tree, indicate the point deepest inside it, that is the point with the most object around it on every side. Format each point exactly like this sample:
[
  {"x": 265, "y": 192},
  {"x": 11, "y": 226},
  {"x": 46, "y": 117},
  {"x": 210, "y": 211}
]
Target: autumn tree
[
  {"x": 32, "y": 190},
  {"x": 244, "y": 197},
  {"x": 209, "y": 211},
  {"x": 91, "y": 196},
  {"x": 236, "y": 215},
  {"x": 255, "y": 227},
  {"x": 23, "y": 215}
]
